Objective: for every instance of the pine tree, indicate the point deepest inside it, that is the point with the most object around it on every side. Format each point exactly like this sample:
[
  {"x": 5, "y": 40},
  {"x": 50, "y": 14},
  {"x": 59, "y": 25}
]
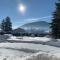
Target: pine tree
[
  {"x": 55, "y": 25},
  {"x": 3, "y": 25},
  {"x": 6, "y": 25}
]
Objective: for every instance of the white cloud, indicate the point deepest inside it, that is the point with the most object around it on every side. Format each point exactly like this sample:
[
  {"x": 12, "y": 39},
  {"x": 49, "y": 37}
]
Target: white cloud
[
  {"x": 36, "y": 19},
  {"x": 33, "y": 19}
]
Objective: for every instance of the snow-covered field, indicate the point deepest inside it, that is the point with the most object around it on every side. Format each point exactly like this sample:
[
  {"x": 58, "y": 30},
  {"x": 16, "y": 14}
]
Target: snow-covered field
[
  {"x": 25, "y": 38},
  {"x": 19, "y": 51},
  {"x": 36, "y": 40},
  {"x": 28, "y": 51}
]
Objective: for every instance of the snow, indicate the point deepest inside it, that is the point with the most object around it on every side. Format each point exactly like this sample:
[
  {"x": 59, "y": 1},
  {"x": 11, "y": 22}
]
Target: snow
[
  {"x": 11, "y": 51},
  {"x": 30, "y": 46},
  {"x": 10, "y": 54},
  {"x": 29, "y": 51},
  {"x": 42, "y": 56},
  {"x": 25, "y": 38},
  {"x": 46, "y": 40}
]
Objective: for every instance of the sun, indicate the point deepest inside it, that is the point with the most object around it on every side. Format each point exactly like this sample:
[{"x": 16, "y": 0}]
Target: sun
[{"x": 22, "y": 8}]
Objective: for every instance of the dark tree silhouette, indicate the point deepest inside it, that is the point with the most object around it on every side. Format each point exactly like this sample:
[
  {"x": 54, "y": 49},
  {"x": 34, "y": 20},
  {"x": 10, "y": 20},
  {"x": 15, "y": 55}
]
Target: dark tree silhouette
[
  {"x": 6, "y": 25},
  {"x": 2, "y": 25},
  {"x": 55, "y": 25}
]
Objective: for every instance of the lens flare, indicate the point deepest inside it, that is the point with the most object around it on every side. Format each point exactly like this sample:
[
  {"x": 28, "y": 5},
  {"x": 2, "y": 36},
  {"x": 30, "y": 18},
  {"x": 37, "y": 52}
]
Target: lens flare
[{"x": 22, "y": 8}]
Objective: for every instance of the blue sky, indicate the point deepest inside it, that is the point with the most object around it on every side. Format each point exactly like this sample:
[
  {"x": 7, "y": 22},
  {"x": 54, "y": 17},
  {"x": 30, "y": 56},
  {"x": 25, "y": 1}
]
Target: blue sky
[{"x": 36, "y": 10}]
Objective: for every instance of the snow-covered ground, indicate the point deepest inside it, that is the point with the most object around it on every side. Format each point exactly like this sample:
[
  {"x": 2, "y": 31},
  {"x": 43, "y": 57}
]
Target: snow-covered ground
[
  {"x": 28, "y": 51},
  {"x": 12, "y": 51},
  {"x": 40, "y": 40},
  {"x": 25, "y": 38},
  {"x": 10, "y": 54}
]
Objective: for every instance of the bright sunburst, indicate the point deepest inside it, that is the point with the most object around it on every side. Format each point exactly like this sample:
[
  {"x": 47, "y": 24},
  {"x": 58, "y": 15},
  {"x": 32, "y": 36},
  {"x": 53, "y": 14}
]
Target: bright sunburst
[{"x": 22, "y": 8}]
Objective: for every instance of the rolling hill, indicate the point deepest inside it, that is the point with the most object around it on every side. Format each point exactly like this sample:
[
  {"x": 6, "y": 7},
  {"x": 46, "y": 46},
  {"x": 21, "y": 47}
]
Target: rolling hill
[{"x": 36, "y": 26}]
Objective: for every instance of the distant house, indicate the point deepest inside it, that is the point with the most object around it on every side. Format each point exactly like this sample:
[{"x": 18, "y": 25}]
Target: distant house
[{"x": 18, "y": 31}]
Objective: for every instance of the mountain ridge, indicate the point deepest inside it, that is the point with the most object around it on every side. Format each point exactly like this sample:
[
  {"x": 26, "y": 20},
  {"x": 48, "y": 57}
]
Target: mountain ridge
[{"x": 38, "y": 25}]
